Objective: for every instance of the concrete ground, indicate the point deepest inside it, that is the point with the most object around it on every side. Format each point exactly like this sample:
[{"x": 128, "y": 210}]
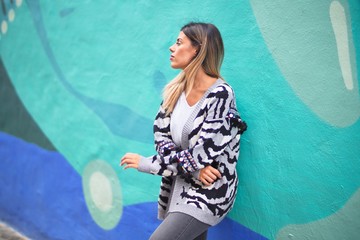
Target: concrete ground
[{"x": 7, "y": 233}]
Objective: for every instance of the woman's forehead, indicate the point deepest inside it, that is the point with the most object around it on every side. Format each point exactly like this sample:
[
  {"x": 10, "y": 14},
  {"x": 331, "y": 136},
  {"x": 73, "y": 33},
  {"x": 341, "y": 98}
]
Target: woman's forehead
[{"x": 182, "y": 36}]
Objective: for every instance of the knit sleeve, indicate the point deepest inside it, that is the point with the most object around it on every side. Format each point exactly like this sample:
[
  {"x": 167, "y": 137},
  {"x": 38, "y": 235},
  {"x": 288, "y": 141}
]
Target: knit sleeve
[{"x": 164, "y": 146}]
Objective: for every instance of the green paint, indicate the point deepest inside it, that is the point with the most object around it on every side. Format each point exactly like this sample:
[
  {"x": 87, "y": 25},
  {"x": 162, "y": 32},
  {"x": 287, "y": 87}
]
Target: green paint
[{"x": 15, "y": 119}]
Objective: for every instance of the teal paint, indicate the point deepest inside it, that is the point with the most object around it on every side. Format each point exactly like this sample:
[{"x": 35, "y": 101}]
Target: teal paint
[
  {"x": 332, "y": 227},
  {"x": 299, "y": 158},
  {"x": 304, "y": 42}
]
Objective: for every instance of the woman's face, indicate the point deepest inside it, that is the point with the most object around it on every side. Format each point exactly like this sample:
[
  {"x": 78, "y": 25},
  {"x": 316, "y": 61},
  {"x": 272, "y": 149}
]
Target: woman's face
[{"x": 182, "y": 52}]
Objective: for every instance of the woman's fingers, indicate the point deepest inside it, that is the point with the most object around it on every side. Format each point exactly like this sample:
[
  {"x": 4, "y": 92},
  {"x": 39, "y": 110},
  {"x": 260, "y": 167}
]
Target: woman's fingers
[
  {"x": 126, "y": 161},
  {"x": 208, "y": 175},
  {"x": 130, "y": 160},
  {"x": 212, "y": 172},
  {"x": 130, "y": 166},
  {"x": 215, "y": 172},
  {"x": 205, "y": 182},
  {"x": 128, "y": 155},
  {"x": 208, "y": 180}
]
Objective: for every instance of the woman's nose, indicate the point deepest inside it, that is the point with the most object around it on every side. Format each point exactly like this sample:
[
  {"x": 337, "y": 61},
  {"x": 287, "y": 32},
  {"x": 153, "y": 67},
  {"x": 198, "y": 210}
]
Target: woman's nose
[{"x": 171, "y": 48}]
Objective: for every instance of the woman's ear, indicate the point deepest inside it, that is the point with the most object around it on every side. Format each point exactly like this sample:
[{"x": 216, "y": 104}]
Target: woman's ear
[{"x": 196, "y": 53}]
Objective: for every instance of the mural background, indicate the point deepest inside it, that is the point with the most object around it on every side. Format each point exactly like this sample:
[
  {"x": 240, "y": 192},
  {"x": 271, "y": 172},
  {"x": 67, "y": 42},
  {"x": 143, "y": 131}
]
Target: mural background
[{"x": 81, "y": 83}]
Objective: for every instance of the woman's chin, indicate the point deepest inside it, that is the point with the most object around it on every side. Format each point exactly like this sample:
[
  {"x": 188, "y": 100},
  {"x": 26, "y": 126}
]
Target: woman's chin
[
  {"x": 177, "y": 66},
  {"x": 174, "y": 66}
]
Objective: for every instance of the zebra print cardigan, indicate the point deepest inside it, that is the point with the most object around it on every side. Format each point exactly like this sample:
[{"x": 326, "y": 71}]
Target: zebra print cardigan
[{"x": 211, "y": 136}]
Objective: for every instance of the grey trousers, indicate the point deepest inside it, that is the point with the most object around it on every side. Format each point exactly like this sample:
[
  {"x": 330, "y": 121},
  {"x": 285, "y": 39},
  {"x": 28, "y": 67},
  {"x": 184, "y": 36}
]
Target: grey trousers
[{"x": 180, "y": 226}]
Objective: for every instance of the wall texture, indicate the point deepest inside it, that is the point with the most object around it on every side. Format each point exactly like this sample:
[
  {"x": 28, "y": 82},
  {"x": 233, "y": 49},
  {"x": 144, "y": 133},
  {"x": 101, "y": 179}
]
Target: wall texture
[{"x": 80, "y": 83}]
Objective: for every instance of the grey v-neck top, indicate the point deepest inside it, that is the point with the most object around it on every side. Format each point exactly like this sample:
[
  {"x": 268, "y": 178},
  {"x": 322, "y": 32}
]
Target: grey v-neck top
[
  {"x": 184, "y": 120},
  {"x": 179, "y": 117}
]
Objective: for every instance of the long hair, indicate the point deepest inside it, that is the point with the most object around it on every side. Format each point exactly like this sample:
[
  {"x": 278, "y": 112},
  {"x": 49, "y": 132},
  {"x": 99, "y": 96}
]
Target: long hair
[{"x": 205, "y": 37}]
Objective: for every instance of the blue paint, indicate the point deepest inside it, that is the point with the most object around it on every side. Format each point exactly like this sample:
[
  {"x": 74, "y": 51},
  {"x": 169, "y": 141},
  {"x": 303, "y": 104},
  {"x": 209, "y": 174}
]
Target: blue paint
[
  {"x": 116, "y": 116},
  {"x": 138, "y": 128},
  {"x": 42, "y": 197}
]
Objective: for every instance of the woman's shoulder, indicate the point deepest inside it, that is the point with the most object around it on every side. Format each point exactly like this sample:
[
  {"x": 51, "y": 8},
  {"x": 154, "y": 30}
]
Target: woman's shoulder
[{"x": 221, "y": 90}]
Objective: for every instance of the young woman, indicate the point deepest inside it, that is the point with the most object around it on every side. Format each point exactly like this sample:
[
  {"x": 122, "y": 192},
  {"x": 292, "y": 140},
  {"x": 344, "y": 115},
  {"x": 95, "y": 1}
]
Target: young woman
[{"x": 197, "y": 137}]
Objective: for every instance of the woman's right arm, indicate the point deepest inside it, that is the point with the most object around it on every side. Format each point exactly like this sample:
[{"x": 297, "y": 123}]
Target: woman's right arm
[{"x": 164, "y": 144}]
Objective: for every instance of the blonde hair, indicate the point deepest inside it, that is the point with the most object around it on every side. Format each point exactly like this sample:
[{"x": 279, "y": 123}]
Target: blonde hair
[{"x": 206, "y": 37}]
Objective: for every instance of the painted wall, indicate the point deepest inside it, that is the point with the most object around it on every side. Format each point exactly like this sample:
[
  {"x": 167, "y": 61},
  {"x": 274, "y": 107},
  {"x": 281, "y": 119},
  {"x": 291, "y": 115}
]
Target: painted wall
[{"x": 81, "y": 83}]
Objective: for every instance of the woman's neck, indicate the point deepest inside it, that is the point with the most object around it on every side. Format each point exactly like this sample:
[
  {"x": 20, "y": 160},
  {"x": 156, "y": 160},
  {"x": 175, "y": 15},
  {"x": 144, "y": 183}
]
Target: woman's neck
[{"x": 203, "y": 81}]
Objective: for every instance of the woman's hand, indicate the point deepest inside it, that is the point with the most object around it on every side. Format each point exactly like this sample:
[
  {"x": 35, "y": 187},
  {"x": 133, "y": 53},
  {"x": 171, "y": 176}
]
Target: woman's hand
[
  {"x": 208, "y": 175},
  {"x": 130, "y": 160}
]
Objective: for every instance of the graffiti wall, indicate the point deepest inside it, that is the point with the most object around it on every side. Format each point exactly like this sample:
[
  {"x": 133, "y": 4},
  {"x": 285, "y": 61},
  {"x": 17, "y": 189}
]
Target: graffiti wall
[{"x": 81, "y": 81}]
